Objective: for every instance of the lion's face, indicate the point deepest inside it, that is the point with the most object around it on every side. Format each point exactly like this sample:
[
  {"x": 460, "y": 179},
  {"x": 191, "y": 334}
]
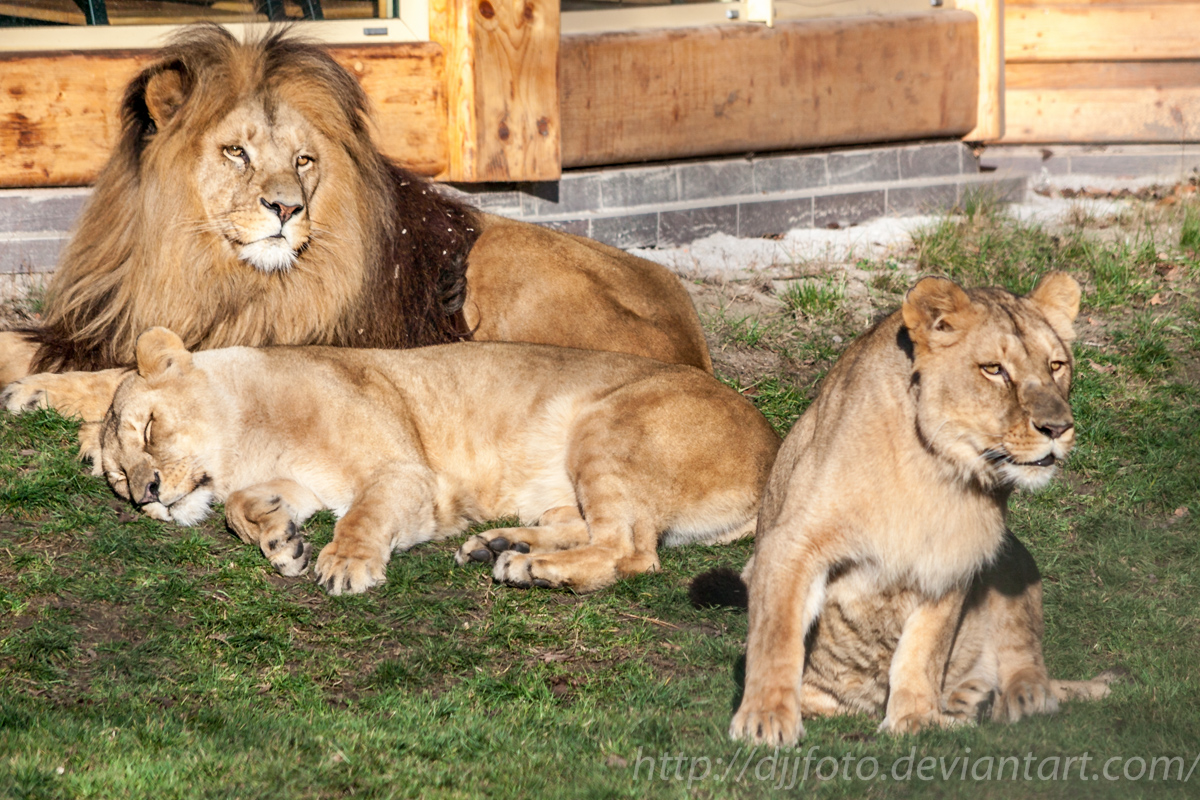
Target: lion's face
[
  {"x": 992, "y": 376},
  {"x": 157, "y": 439},
  {"x": 258, "y": 173}
]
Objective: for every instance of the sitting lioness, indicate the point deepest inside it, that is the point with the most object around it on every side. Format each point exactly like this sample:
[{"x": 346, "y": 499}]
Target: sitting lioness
[
  {"x": 603, "y": 455},
  {"x": 883, "y": 521}
]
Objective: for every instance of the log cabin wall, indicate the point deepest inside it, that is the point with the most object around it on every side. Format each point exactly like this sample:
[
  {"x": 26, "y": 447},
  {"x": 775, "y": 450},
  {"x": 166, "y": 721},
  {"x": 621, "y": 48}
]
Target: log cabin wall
[{"x": 498, "y": 95}]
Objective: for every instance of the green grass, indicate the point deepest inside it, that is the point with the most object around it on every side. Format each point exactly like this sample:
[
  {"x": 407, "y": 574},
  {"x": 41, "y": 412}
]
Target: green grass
[
  {"x": 145, "y": 660},
  {"x": 814, "y": 297}
]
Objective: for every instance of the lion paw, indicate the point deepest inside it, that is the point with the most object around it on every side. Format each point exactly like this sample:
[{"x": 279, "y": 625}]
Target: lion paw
[
  {"x": 348, "y": 574},
  {"x": 485, "y": 547},
  {"x": 918, "y": 721},
  {"x": 288, "y": 553},
  {"x": 23, "y": 396},
  {"x": 972, "y": 701},
  {"x": 519, "y": 569},
  {"x": 773, "y": 720},
  {"x": 1023, "y": 697}
]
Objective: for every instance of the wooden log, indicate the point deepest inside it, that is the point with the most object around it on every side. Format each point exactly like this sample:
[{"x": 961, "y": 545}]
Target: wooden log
[
  {"x": 640, "y": 96},
  {"x": 1087, "y": 103},
  {"x": 1092, "y": 32},
  {"x": 502, "y": 87},
  {"x": 989, "y": 117},
  {"x": 59, "y": 111}
]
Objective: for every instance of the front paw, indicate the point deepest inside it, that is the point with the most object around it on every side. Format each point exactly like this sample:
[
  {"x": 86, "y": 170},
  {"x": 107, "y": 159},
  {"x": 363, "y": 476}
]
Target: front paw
[
  {"x": 485, "y": 547},
  {"x": 24, "y": 395},
  {"x": 914, "y": 722},
  {"x": 972, "y": 701},
  {"x": 349, "y": 573},
  {"x": 772, "y": 719},
  {"x": 1025, "y": 694},
  {"x": 288, "y": 552},
  {"x": 520, "y": 569}
]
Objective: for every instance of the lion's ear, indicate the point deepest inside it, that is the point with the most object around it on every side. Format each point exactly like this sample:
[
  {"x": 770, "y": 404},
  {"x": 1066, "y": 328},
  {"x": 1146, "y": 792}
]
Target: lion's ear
[
  {"x": 166, "y": 90},
  {"x": 936, "y": 312},
  {"x": 160, "y": 353},
  {"x": 1057, "y": 297}
]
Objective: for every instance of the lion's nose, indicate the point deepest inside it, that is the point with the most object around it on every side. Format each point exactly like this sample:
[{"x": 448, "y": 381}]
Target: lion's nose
[
  {"x": 281, "y": 209},
  {"x": 151, "y": 493},
  {"x": 1054, "y": 429}
]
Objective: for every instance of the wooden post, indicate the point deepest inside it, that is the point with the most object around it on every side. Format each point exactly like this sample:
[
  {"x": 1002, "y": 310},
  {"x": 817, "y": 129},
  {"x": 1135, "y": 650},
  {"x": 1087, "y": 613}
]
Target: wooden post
[
  {"x": 502, "y": 87},
  {"x": 989, "y": 124}
]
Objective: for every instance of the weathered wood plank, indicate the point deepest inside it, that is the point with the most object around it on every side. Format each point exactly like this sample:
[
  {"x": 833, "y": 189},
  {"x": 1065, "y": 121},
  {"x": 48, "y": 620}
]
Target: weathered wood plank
[
  {"x": 736, "y": 88},
  {"x": 59, "y": 111},
  {"x": 1103, "y": 75},
  {"x": 1009, "y": 3},
  {"x": 1093, "y": 32},
  {"x": 989, "y": 116},
  {"x": 1138, "y": 114},
  {"x": 502, "y": 87}
]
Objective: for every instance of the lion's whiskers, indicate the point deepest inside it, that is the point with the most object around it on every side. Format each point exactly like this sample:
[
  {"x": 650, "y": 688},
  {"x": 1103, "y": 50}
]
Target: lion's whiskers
[{"x": 316, "y": 232}]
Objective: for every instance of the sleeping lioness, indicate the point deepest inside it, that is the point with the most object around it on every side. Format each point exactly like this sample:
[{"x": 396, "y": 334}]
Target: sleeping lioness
[
  {"x": 883, "y": 577},
  {"x": 602, "y": 455}
]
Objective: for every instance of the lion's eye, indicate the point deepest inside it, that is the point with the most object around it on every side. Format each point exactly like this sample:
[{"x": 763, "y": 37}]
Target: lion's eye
[
  {"x": 304, "y": 161},
  {"x": 235, "y": 153},
  {"x": 995, "y": 370},
  {"x": 147, "y": 433},
  {"x": 1057, "y": 366}
]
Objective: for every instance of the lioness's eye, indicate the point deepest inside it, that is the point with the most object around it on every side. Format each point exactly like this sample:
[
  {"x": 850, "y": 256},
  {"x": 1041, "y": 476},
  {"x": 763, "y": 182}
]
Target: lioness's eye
[
  {"x": 304, "y": 161},
  {"x": 146, "y": 433},
  {"x": 235, "y": 153},
  {"x": 992, "y": 369},
  {"x": 1056, "y": 366}
]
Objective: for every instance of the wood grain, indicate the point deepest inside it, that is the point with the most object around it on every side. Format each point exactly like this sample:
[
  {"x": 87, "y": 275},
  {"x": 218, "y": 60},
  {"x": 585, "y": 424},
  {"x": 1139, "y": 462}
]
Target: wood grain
[
  {"x": 1103, "y": 75},
  {"x": 1143, "y": 114},
  {"x": 711, "y": 90},
  {"x": 502, "y": 87},
  {"x": 1093, "y": 32},
  {"x": 989, "y": 116},
  {"x": 59, "y": 112}
]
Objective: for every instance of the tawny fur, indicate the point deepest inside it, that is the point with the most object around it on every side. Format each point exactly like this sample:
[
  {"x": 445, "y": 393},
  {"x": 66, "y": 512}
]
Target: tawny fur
[
  {"x": 602, "y": 456},
  {"x": 245, "y": 203},
  {"x": 883, "y": 521}
]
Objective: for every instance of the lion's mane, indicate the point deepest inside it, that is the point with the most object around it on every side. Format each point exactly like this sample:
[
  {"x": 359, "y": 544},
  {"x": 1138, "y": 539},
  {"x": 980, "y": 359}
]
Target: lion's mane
[{"x": 384, "y": 266}]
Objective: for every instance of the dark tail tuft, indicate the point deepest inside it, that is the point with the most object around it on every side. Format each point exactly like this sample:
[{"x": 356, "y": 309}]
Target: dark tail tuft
[{"x": 719, "y": 587}]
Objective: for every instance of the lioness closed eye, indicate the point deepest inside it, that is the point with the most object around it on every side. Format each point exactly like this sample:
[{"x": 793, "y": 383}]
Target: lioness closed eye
[
  {"x": 601, "y": 455},
  {"x": 883, "y": 521}
]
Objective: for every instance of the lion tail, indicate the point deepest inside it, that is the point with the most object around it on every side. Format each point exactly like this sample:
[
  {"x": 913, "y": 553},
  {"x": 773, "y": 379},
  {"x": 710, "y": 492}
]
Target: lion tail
[
  {"x": 719, "y": 587},
  {"x": 1095, "y": 689}
]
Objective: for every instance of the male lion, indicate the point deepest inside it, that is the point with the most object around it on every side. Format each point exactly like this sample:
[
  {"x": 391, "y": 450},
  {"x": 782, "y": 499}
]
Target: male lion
[
  {"x": 883, "y": 521},
  {"x": 246, "y": 204},
  {"x": 607, "y": 453}
]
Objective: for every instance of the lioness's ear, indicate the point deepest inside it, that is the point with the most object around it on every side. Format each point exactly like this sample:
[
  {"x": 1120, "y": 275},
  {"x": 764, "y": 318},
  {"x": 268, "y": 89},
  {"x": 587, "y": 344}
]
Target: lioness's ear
[
  {"x": 936, "y": 311},
  {"x": 1057, "y": 297},
  {"x": 166, "y": 90},
  {"x": 160, "y": 353}
]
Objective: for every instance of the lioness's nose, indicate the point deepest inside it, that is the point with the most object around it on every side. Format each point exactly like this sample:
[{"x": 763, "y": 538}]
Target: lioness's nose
[
  {"x": 281, "y": 209},
  {"x": 1054, "y": 429},
  {"x": 150, "y": 494}
]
